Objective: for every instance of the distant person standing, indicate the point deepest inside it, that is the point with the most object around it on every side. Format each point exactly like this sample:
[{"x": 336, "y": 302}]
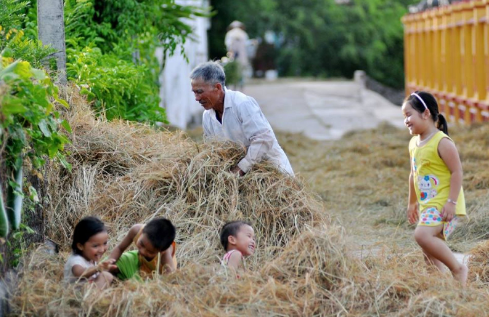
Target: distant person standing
[
  {"x": 236, "y": 41},
  {"x": 232, "y": 115}
]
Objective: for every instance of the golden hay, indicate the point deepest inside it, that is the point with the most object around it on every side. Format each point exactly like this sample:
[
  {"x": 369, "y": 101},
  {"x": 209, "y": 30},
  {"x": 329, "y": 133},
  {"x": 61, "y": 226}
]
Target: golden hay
[
  {"x": 128, "y": 173},
  {"x": 479, "y": 263},
  {"x": 312, "y": 276}
]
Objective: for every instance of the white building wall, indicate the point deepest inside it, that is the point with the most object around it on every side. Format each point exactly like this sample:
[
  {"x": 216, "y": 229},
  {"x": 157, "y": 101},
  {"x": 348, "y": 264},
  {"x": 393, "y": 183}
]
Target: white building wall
[{"x": 176, "y": 92}]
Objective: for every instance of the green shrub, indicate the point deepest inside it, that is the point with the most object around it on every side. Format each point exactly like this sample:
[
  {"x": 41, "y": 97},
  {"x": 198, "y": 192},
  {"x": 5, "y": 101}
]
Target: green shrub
[
  {"x": 29, "y": 122},
  {"x": 111, "y": 47},
  {"x": 117, "y": 88},
  {"x": 16, "y": 32},
  {"x": 29, "y": 129},
  {"x": 232, "y": 69}
]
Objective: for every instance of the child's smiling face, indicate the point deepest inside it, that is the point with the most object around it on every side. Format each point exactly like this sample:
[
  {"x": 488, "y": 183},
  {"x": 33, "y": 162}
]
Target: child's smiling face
[
  {"x": 95, "y": 247},
  {"x": 413, "y": 120},
  {"x": 245, "y": 240}
]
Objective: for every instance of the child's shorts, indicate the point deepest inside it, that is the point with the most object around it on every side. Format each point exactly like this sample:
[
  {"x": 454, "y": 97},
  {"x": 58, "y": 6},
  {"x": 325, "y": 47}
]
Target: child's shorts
[{"x": 431, "y": 217}]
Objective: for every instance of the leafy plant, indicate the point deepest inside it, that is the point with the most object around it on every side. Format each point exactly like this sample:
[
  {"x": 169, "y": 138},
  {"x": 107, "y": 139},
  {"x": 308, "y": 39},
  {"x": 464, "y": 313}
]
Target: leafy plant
[
  {"x": 117, "y": 88},
  {"x": 29, "y": 128},
  {"x": 139, "y": 25},
  {"x": 111, "y": 47},
  {"x": 232, "y": 69},
  {"x": 12, "y": 13},
  {"x": 18, "y": 34},
  {"x": 17, "y": 243}
]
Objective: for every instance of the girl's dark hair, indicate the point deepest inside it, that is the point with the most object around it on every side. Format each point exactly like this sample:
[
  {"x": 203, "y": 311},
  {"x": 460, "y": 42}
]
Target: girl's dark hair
[
  {"x": 231, "y": 229},
  {"x": 86, "y": 228},
  {"x": 430, "y": 101}
]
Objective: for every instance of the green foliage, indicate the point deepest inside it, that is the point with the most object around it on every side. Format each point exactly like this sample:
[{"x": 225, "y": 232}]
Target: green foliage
[
  {"x": 18, "y": 245},
  {"x": 322, "y": 38},
  {"x": 137, "y": 24},
  {"x": 29, "y": 128},
  {"x": 232, "y": 69},
  {"x": 117, "y": 88},
  {"x": 12, "y": 13},
  {"x": 111, "y": 47},
  {"x": 18, "y": 46},
  {"x": 29, "y": 121},
  {"x": 14, "y": 23}
]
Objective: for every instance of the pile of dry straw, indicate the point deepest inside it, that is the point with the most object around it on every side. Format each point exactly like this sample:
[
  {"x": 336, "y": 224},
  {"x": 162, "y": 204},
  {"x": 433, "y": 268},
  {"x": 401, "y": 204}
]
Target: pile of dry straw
[{"x": 126, "y": 174}]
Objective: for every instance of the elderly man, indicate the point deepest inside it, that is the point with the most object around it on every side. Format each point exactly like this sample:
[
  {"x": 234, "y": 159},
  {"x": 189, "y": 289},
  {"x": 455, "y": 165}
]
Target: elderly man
[{"x": 231, "y": 115}]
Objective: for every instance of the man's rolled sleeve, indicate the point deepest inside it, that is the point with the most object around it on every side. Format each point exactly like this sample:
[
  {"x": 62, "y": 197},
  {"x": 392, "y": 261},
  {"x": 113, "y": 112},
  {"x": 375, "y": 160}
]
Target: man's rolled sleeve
[{"x": 245, "y": 165}]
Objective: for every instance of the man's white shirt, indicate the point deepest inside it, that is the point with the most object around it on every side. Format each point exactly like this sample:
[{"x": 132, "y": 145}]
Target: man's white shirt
[{"x": 244, "y": 123}]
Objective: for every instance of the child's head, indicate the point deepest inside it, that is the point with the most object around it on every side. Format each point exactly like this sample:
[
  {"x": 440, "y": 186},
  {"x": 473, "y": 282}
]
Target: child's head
[
  {"x": 157, "y": 236},
  {"x": 419, "y": 107},
  {"x": 238, "y": 235},
  {"x": 90, "y": 239}
]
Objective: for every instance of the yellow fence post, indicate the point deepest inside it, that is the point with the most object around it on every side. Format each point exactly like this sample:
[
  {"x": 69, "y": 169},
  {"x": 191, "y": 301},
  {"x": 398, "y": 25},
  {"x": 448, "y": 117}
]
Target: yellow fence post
[
  {"x": 429, "y": 50},
  {"x": 478, "y": 59},
  {"x": 456, "y": 46},
  {"x": 418, "y": 53},
  {"x": 445, "y": 65},
  {"x": 447, "y": 54},
  {"x": 484, "y": 103},
  {"x": 409, "y": 38}
]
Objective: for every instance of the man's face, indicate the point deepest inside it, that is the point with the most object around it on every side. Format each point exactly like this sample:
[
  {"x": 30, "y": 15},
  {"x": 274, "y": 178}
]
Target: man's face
[{"x": 206, "y": 94}]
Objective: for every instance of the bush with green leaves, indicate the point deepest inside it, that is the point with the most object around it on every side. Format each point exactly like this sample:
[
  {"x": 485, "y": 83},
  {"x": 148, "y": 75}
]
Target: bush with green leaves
[
  {"x": 30, "y": 128},
  {"x": 116, "y": 88},
  {"x": 136, "y": 24},
  {"x": 110, "y": 49},
  {"x": 111, "y": 46},
  {"x": 232, "y": 69},
  {"x": 19, "y": 34}
]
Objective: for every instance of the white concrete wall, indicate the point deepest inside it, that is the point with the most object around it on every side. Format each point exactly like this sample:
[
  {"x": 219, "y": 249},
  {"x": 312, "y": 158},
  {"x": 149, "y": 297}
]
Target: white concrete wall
[{"x": 176, "y": 92}]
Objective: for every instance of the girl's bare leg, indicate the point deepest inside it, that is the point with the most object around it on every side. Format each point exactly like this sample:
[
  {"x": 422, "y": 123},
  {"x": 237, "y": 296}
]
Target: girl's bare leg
[
  {"x": 431, "y": 261},
  {"x": 428, "y": 239},
  {"x": 103, "y": 280}
]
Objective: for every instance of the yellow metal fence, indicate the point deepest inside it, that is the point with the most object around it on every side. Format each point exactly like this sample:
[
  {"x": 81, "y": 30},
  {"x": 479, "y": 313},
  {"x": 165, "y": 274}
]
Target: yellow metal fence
[{"x": 446, "y": 52}]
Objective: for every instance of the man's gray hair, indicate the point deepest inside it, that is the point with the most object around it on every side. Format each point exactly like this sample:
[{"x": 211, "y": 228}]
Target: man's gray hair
[{"x": 210, "y": 72}]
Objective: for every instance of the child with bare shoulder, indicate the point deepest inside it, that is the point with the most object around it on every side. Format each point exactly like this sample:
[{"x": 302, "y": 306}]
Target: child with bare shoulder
[{"x": 238, "y": 239}]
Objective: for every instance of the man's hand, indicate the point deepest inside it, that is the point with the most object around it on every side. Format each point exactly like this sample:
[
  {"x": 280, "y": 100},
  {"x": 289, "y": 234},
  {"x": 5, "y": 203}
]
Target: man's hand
[{"x": 237, "y": 170}]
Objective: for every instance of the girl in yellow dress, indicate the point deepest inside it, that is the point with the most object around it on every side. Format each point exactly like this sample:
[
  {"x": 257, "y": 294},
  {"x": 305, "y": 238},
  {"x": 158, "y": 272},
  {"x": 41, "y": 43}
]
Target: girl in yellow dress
[{"x": 436, "y": 198}]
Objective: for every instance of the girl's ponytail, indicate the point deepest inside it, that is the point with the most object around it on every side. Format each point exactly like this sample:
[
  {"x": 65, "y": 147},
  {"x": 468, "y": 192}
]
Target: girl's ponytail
[{"x": 441, "y": 123}]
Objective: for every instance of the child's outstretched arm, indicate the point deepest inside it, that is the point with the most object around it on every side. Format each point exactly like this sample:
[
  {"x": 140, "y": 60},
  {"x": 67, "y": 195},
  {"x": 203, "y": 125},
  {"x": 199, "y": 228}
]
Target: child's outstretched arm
[
  {"x": 412, "y": 209},
  {"x": 125, "y": 243},
  {"x": 81, "y": 272},
  {"x": 449, "y": 154}
]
